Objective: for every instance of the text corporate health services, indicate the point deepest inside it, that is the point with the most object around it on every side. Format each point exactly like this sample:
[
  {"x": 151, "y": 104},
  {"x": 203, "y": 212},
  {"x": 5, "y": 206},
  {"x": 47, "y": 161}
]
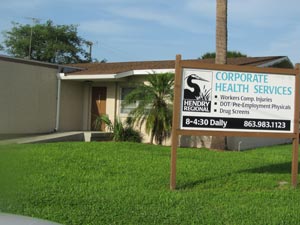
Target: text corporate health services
[{"x": 239, "y": 84}]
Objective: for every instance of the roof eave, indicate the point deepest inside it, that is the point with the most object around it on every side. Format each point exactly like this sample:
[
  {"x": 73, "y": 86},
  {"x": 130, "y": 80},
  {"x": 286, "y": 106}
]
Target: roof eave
[
  {"x": 92, "y": 77},
  {"x": 84, "y": 77},
  {"x": 275, "y": 61},
  {"x": 38, "y": 63}
]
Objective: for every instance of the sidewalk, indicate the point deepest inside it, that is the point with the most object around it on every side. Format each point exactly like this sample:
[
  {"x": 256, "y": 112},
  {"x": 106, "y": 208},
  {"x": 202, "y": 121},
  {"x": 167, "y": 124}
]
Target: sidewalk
[
  {"x": 85, "y": 136},
  {"x": 55, "y": 137}
]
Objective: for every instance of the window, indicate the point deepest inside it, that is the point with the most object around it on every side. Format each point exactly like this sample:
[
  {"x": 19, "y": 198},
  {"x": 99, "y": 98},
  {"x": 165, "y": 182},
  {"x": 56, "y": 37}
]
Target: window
[{"x": 126, "y": 109}]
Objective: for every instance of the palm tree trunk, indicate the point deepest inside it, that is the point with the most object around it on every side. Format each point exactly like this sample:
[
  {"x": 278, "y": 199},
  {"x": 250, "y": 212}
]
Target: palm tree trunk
[
  {"x": 221, "y": 55},
  {"x": 153, "y": 133},
  {"x": 151, "y": 137},
  {"x": 221, "y": 32}
]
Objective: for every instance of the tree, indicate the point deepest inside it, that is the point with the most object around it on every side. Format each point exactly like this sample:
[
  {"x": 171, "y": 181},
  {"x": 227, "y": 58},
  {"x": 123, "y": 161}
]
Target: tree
[
  {"x": 155, "y": 98},
  {"x": 46, "y": 42},
  {"x": 221, "y": 32},
  {"x": 230, "y": 54},
  {"x": 221, "y": 54}
]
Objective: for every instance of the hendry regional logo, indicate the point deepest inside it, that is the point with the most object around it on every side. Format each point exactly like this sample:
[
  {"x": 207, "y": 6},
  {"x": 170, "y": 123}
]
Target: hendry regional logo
[{"x": 197, "y": 94}]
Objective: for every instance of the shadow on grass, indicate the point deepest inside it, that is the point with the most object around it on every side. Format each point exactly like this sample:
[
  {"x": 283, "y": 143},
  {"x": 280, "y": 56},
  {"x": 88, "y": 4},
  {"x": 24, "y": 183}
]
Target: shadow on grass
[
  {"x": 191, "y": 185},
  {"x": 281, "y": 168}
]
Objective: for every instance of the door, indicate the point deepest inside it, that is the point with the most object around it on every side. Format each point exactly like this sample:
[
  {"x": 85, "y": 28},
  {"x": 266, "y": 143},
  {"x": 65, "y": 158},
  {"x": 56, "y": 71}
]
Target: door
[{"x": 98, "y": 107}]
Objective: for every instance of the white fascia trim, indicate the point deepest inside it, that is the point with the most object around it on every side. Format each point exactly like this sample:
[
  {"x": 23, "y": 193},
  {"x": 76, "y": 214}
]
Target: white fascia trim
[
  {"x": 148, "y": 72},
  {"x": 87, "y": 77},
  {"x": 124, "y": 74},
  {"x": 143, "y": 72},
  {"x": 62, "y": 76},
  {"x": 268, "y": 64}
]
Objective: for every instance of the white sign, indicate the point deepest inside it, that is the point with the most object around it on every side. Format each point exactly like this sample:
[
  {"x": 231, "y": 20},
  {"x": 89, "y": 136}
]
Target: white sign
[{"x": 237, "y": 101}]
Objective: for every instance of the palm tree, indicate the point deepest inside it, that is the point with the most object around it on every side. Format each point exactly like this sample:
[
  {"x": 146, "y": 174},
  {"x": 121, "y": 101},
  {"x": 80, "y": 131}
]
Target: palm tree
[
  {"x": 221, "y": 32},
  {"x": 221, "y": 55},
  {"x": 154, "y": 108}
]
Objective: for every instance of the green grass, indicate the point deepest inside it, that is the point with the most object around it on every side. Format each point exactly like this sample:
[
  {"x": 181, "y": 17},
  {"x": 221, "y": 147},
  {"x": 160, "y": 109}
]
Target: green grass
[{"x": 127, "y": 183}]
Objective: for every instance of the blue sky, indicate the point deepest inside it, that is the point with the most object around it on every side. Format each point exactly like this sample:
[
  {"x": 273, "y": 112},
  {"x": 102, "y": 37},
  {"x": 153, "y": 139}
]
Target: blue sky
[{"x": 135, "y": 30}]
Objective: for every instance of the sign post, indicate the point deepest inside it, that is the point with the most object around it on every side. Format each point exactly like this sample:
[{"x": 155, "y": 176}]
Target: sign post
[
  {"x": 175, "y": 122},
  {"x": 296, "y": 121},
  {"x": 224, "y": 100}
]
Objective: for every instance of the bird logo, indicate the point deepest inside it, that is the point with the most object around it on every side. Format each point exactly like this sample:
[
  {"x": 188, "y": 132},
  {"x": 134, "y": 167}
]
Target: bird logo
[{"x": 195, "y": 91}]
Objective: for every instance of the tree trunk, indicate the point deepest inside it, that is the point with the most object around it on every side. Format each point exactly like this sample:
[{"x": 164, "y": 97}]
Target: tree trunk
[
  {"x": 221, "y": 32},
  {"x": 221, "y": 55},
  {"x": 151, "y": 137}
]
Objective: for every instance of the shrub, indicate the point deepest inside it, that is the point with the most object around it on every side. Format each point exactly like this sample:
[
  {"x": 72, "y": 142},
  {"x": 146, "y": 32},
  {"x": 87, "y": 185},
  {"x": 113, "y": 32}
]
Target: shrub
[{"x": 122, "y": 131}]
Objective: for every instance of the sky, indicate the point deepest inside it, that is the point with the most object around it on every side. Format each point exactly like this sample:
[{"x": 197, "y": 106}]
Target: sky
[{"x": 139, "y": 30}]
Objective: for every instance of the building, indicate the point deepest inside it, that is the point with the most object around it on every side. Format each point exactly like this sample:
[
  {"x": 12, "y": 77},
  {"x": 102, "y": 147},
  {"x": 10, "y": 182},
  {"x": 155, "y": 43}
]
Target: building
[{"x": 38, "y": 98}]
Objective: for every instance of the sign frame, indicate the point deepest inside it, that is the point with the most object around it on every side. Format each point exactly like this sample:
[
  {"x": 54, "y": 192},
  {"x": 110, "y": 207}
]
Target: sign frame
[{"x": 177, "y": 131}]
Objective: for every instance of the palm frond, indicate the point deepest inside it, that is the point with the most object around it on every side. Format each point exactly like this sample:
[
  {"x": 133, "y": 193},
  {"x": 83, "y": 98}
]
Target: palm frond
[{"x": 154, "y": 101}]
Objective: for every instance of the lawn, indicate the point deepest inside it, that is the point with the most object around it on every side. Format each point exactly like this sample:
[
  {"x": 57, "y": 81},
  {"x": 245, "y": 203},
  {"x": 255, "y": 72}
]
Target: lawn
[{"x": 128, "y": 183}]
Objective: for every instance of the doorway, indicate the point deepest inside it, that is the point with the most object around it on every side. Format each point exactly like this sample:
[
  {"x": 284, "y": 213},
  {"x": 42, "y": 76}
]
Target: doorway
[{"x": 98, "y": 107}]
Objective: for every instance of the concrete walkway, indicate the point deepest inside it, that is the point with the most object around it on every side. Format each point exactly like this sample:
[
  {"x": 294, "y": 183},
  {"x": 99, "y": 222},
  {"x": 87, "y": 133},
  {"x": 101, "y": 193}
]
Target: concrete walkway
[{"x": 85, "y": 136}]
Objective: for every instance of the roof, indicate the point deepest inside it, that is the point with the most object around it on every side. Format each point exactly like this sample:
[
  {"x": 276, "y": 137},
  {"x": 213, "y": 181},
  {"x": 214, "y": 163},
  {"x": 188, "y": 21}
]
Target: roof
[
  {"x": 121, "y": 67},
  {"x": 64, "y": 68}
]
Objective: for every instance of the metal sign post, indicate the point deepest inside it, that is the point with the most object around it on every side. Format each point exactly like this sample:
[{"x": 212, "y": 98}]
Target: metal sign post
[{"x": 224, "y": 100}]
